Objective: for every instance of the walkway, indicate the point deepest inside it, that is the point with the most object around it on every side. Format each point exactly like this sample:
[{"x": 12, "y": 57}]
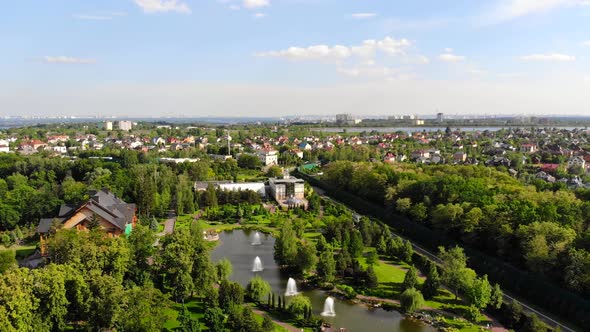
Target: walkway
[
  {"x": 169, "y": 224},
  {"x": 284, "y": 325}
]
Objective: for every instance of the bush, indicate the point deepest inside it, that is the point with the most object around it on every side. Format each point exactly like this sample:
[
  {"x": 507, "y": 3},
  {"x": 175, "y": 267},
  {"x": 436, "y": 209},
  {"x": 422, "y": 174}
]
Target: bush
[
  {"x": 348, "y": 291},
  {"x": 411, "y": 300}
]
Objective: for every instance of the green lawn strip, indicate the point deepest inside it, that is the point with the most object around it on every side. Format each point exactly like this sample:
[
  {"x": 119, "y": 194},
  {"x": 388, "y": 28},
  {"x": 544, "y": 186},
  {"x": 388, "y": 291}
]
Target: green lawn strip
[
  {"x": 21, "y": 251},
  {"x": 196, "y": 308},
  {"x": 390, "y": 280}
]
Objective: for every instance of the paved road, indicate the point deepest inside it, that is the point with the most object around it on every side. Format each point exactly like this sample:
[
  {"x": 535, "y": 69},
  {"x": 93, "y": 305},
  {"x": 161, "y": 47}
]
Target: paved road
[
  {"x": 169, "y": 224},
  {"x": 432, "y": 256}
]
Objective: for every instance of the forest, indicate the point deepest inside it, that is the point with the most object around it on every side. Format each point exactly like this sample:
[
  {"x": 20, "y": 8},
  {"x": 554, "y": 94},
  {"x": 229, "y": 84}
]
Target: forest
[{"x": 543, "y": 231}]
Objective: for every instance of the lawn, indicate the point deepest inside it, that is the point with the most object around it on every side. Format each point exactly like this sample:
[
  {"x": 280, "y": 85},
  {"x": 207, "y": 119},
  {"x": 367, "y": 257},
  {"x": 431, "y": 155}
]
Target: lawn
[
  {"x": 196, "y": 308},
  {"x": 22, "y": 251},
  {"x": 390, "y": 279}
]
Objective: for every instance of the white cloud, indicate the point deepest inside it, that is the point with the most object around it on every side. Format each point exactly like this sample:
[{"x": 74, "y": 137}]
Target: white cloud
[
  {"x": 92, "y": 17},
  {"x": 66, "y": 60},
  {"x": 511, "y": 9},
  {"x": 557, "y": 57},
  {"x": 259, "y": 15},
  {"x": 362, "y": 16},
  {"x": 163, "y": 6},
  {"x": 586, "y": 43},
  {"x": 450, "y": 57},
  {"x": 250, "y": 4},
  {"x": 99, "y": 17},
  {"x": 369, "y": 71},
  {"x": 367, "y": 49},
  {"x": 234, "y": 7}
]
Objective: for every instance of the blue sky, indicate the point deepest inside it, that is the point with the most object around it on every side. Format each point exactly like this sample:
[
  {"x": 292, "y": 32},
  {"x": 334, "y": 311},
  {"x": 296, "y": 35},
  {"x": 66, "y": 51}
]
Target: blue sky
[{"x": 290, "y": 57}]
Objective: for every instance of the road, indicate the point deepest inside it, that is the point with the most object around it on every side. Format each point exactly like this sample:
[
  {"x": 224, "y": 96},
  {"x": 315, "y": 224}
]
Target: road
[
  {"x": 527, "y": 308},
  {"x": 169, "y": 224}
]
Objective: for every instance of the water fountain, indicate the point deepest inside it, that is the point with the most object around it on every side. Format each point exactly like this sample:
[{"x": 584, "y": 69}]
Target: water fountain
[
  {"x": 256, "y": 239},
  {"x": 257, "y": 265},
  {"x": 291, "y": 288},
  {"x": 328, "y": 308}
]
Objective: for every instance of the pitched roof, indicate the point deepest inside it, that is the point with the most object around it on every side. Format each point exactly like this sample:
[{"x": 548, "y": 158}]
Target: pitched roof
[{"x": 102, "y": 203}]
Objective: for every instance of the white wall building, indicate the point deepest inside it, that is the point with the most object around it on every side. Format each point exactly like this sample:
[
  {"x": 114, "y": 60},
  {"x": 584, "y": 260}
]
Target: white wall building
[
  {"x": 125, "y": 125},
  {"x": 108, "y": 125},
  {"x": 268, "y": 157}
]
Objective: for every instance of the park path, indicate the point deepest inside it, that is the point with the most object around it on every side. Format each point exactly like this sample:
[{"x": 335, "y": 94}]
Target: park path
[
  {"x": 168, "y": 225},
  {"x": 282, "y": 324}
]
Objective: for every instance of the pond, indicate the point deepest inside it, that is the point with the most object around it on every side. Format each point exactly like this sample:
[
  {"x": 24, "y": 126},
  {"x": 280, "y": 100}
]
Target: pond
[{"x": 237, "y": 247}]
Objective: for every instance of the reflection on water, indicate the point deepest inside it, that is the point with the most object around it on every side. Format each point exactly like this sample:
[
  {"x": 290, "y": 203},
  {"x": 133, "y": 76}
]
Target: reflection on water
[{"x": 237, "y": 247}]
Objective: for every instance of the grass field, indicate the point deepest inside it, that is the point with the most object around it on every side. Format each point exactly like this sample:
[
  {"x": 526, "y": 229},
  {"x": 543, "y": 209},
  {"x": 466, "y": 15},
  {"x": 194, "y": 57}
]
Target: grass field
[{"x": 22, "y": 251}]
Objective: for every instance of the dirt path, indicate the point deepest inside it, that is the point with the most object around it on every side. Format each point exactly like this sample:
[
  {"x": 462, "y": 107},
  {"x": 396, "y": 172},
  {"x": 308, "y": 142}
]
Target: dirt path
[{"x": 278, "y": 322}]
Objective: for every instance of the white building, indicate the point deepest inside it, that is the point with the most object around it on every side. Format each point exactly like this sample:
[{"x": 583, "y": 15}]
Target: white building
[
  {"x": 268, "y": 157},
  {"x": 257, "y": 187},
  {"x": 125, "y": 125},
  {"x": 108, "y": 125},
  {"x": 4, "y": 146}
]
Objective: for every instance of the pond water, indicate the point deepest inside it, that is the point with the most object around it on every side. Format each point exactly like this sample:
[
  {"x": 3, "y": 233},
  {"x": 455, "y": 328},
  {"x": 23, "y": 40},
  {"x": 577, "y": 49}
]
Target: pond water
[{"x": 237, "y": 246}]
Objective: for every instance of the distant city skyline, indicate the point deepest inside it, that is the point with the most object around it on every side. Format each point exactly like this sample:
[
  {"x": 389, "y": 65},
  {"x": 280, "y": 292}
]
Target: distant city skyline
[{"x": 272, "y": 58}]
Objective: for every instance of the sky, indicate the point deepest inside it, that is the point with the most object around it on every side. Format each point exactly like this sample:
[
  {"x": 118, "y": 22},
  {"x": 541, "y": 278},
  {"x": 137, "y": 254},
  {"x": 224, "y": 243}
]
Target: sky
[{"x": 271, "y": 58}]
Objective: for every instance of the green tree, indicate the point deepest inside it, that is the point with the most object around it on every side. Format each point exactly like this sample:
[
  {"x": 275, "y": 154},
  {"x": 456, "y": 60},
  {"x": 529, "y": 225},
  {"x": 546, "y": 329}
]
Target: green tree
[
  {"x": 50, "y": 290},
  {"x": 257, "y": 288},
  {"x": 455, "y": 274},
  {"x": 372, "y": 281},
  {"x": 18, "y": 304},
  {"x": 230, "y": 294},
  {"x": 224, "y": 269},
  {"x": 211, "y": 196},
  {"x": 249, "y": 161},
  {"x": 214, "y": 319},
  {"x": 241, "y": 319},
  {"x": 497, "y": 297},
  {"x": 479, "y": 292},
  {"x": 411, "y": 279},
  {"x": 532, "y": 323},
  {"x": 326, "y": 267},
  {"x": 356, "y": 245},
  {"x": 7, "y": 260},
  {"x": 286, "y": 244},
  {"x": 432, "y": 283},
  {"x": 321, "y": 245},
  {"x": 411, "y": 300},
  {"x": 141, "y": 243},
  {"x": 406, "y": 252},
  {"x": 513, "y": 313},
  {"x": 299, "y": 305},
  {"x": 306, "y": 258},
  {"x": 107, "y": 297},
  {"x": 274, "y": 172},
  {"x": 145, "y": 309},
  {"x": 267, "y": 324},
  {"x": 176, "y": 263},
  {"x": 372, "y": 257}
]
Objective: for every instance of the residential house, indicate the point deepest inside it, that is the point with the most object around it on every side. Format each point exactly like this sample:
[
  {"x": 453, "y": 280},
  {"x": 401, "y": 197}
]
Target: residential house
[
  {"x": 268, "y": 157},
  {"x": 103, "y": 210},
  {"x": 576, "y": 161}
]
